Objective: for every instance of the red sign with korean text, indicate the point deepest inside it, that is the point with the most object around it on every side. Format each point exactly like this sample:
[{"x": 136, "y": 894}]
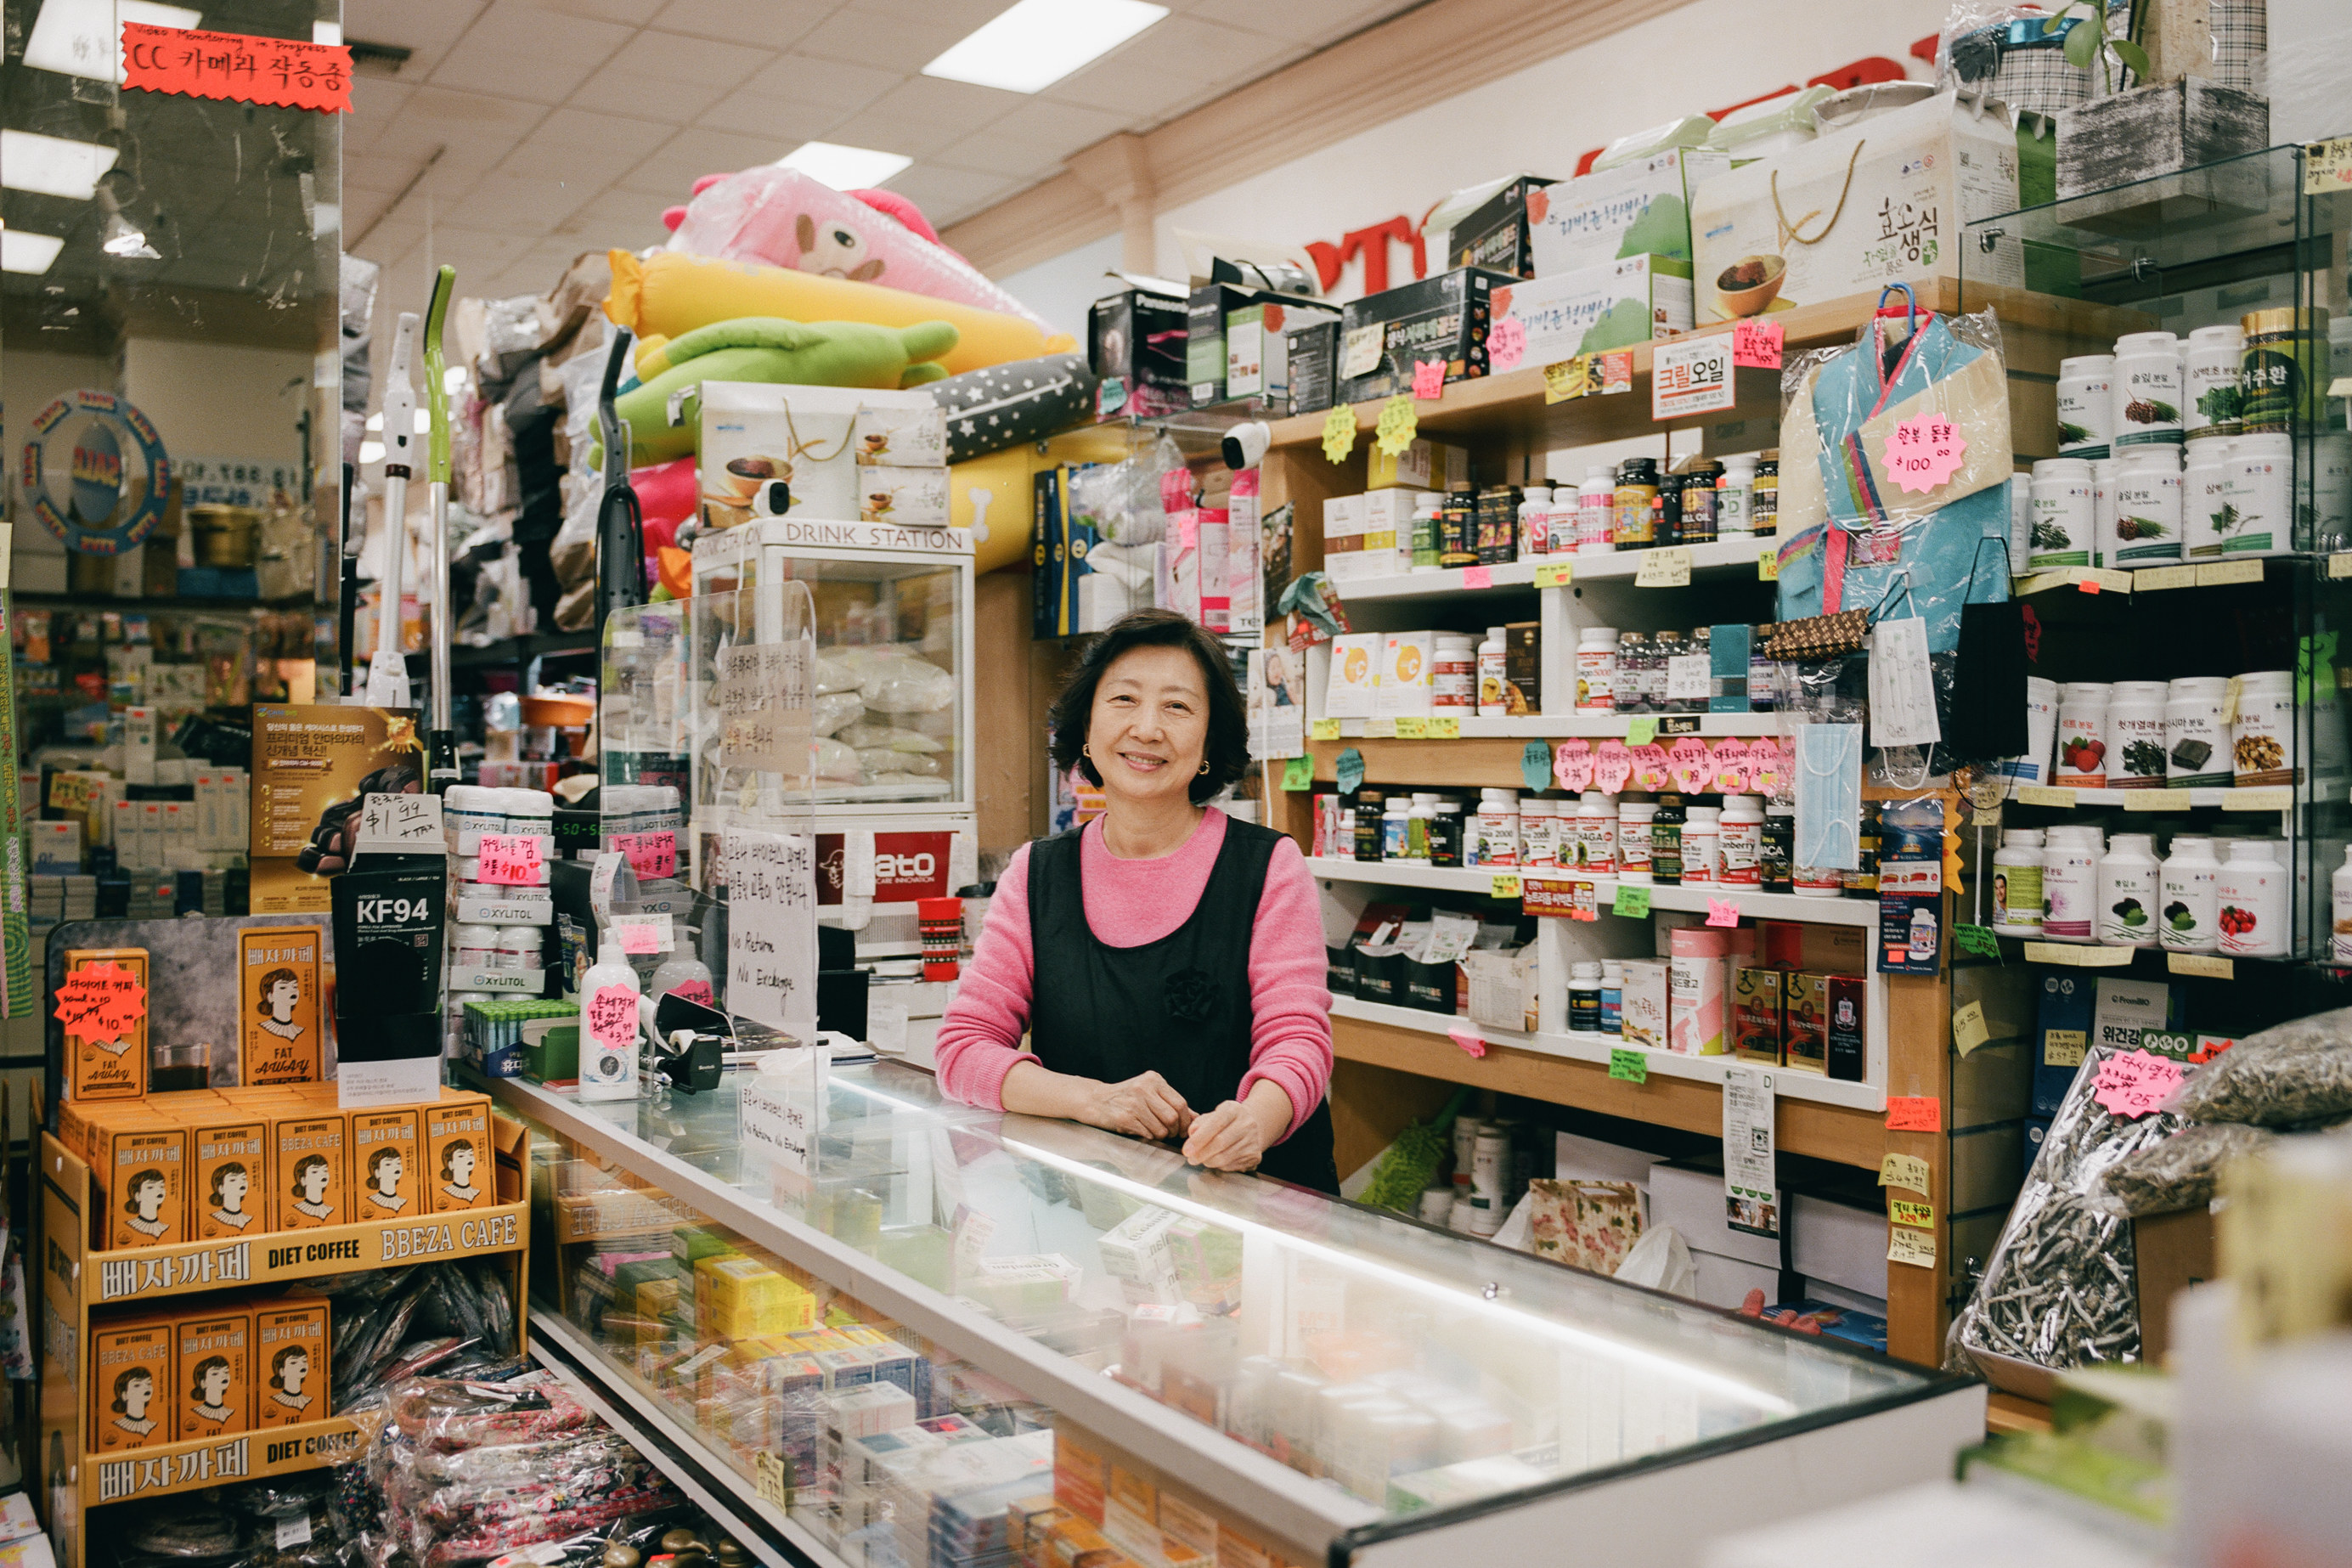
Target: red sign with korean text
[{"x": 240, "y": 68}]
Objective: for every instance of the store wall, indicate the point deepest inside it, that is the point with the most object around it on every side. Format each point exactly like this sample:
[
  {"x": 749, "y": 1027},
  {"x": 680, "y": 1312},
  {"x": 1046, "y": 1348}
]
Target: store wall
[
  {"x": 1060, "y": 290},
  {"x": 217, "y": 400}
]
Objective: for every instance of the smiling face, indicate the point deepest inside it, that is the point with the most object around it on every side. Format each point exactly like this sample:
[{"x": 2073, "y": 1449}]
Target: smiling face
[{"x": 1150, "y": 725}]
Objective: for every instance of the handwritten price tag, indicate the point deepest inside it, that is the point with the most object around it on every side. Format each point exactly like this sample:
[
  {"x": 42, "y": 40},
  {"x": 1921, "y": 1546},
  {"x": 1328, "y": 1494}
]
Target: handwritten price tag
[
  {"x": 1968, "y": 1030},
  {"x": 613, "y": 1017},
  {"x": 1339, "y": 432},
  {"x": 1298, "y": 773},
  {"x": 1506, "y": 344},
  {"x": 2327, "y": 166},
  {"x": 1924, "y": 451},
  {"x": 1977, "y": 940},
  {"x": 1632, "y": 902},
  {"x": 237, "y": 67},
  {"x": 1428, "y": 379},
  {"x": 650, "y": 854},
  {"x": 1399, "y": 423},
  {"x": 1572, "y": 764},
  {"x": 1442, "y": 729},
  {"x": 1349, "y": 771},
  {"x": 2134, "y": 1083},
  {"x": 1505, "y": 884},
  {"x": 100, "y": 1002},
  {"x": 645, "y": 935},
  {"x": 1411, "y": 729},
  {"x": 1555, "y": 574},
  {"x": 1469, "y": 1040},
  {"x": 1640, "y": 732},
  {"x": 1628, "y": 1066},
  {"x": 1903, "y": 1211},
  {"x": 1914, "y": 1113},
  {"x": 1668, "y": 567},
  {"x": 1534, "y": 764},
  {"x": 1757, "y": 342},
  {"x": 1722, "y": 912},
  {"x": 1325, "y": 729},
  {"x": 1477, "y": 577},
  {"x": 1612, "y": 764},
  {"x": 513, "y": 860},
  {"x": 1904, "y": 1171},
  {"x": 1768, "y": 564},
  {"x": 1915, "y": 1248}
]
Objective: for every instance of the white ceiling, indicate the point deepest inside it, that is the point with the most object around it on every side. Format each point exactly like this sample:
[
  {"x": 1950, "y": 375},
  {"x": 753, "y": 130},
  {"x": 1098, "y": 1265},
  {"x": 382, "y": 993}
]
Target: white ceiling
[{"x": 568, "y": 125}]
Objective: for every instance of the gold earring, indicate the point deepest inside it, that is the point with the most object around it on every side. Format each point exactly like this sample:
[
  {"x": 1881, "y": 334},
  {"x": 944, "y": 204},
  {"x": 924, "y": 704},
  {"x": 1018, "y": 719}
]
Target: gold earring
[
  {"x": 1204, "y": 766},
  {"x": 1085, "y": 751}
]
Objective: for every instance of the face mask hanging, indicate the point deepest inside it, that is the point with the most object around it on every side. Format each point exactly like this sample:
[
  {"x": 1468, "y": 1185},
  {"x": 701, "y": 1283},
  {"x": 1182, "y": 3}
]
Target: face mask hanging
[{"x": 1829, "y": 796}]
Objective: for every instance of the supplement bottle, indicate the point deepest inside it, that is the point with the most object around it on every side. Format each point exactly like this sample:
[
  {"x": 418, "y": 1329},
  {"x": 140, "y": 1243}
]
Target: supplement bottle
[
  {"x": 2211, "y": 399},
  {"x": 1596, "y": 512},
  {"x": 1584, "y": 999},
  {"x": 1702, "y": 845},
  {"x": 2070, "y": 884},
  {"x": 2260, "y": 468},
  {"x": 1777, "y": 866},
  {"x": 2196, "y": 742},
  {"x": 2086, "y": 410},
  {"x": 1499, "y": 827},
  {"x": 2148, "y": 515},
  {"x": 1735, "y": 497},
  {"x": 2147, "y": 390},
  {"x": 1370, "y": 806},
  {"x": 2017, "y": 883},
  {"x": 608, "y": 1025},
  {"x": 1423, "y": 547},
  {"x": 1494, "y": 676},
  {"x": 1454, "y": 675},
  {"x": 1612, "y": 997},
  {"x": 1546, "y": 836},
  {"x": 1699, "y": 491},
  {"x": 1636, "y": 498},
  {"x": 2190, "y": 887},
  {"x": 2263, "y": 739},
  {"x": 1535, "y": 523},
  {"x": 2135, "y": 734},
  {"x": 1768, "y": 494},
  {"x": 2252, "y": 902},
  {"x": 1635, "y": 654},
  {"x": 1445, "y": 834},
  {"x": 1396, "y": 817},
  {"x": 1667, "y": 841},
  {"x": 1596, "y": 669},
  {"x": 1636, "y": 821},
  {"x": 2064, "y": 518},
  {"x": 2083, "y": 734},
  {"x": 1417, "y": 819},
  {"x": 1742, "y": 860},
  {"x": 2127, "y": 891},
  {"x": 1596, "y": 834},
  {"x": 2207, "y": 510}
]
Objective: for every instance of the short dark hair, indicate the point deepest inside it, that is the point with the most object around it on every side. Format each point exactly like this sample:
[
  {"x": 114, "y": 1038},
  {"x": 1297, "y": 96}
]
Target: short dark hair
[{"x": 1226, "y": 746}]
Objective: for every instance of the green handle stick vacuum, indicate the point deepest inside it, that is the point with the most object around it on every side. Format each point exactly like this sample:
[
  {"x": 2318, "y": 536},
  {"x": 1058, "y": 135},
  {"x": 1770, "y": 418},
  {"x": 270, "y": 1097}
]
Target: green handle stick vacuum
[{"x": 441, "y": 736}]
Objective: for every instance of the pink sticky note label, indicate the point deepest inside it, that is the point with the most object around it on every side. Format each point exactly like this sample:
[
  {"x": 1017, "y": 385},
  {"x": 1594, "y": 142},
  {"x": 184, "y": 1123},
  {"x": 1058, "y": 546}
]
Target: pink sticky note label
[
  {"x": 1188, "y": 530},
  {"x": 650, "y": 854},
  {"x": 1612, "y": 764},
  {"x": 2087, "y": 585},
  {"x": 613, "y": 1017},
  {"x": 1650, "y": 771},
  {"x": 1766, "y": 766},
  {"x": 1468, "y": 1040},
  {"x": 693, "y": 991},
  {"x": 1722, "y": 912},
  {"x": 1572, "y": 764},
  {"x": 1757, "y": 342},
  {"x": 1428, "y": 379},
  {"x": 2135, "y": 1083},
  {"x": 512, "y": 860},
  {"x": 1731, "y": 758},
  {"x": 1692, "y": 763},
  {"x": 1924, "y": 451},
  {"x": 1477, "y": 577},
  {"x": 1507, "y": 342},
  {"x": 639, "y": 939}
]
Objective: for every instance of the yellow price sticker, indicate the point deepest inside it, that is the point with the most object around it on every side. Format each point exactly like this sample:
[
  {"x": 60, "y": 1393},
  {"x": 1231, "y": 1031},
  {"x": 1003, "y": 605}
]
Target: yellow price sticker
[
  {"x": 1555, "y": 574},
  {"x": 2155, "y": 579},
  {"x": 771, "y": 1478},
  {"x": 2202, "y": 966},
  {"x": 2155, "y": 800},
  {"x": 1903, "y": 1211},
  {"x": 1567, "y": 379},
  {"x": 1380, "y": 729},
  {"x": 1339, "y": 432},
  {"x": 1442, "y": 729},
  {"x": 1904, "y": 1171},
  {"x": 1917, "y": 1247},
  {"x": 1326, "y": 729},
  {"x": 2042, "y": 794},
  {"x": 2077, "y": 955},
  {"x": 2064, "y": 1048},
  {"x": 1768, "y": 564},
  {"x": 1505, "y": 884},
  {"x": 1411, "y": 729},
  {"x": 1668, "y": 567},
  {"x": 1399, "y": 423},
  {"x": 2258, "y": 800},
  {"x": 2327, "y": 166},
  {"x": 2340, "y": 564},
  {"x": 1969, "y": 1029},
  {"x": 2219, "y": 574}
]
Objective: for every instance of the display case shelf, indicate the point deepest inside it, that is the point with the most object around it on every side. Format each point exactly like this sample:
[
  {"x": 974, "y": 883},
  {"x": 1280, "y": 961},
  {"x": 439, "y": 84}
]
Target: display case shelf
[
  {"x": 1732, "y": 559},
  {"x": 1752, "y": 904},
  {"x": 1589, "y": 726}
]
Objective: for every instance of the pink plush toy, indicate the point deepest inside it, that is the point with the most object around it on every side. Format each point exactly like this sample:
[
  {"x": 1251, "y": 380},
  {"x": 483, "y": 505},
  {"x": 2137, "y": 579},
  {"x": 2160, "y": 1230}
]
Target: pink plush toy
[{"x": 785, "y": 218}]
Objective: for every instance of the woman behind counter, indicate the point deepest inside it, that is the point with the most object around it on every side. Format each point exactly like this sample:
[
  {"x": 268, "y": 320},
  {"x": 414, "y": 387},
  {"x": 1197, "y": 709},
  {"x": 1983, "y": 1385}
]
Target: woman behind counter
[{"x": 1166, "y": 961}]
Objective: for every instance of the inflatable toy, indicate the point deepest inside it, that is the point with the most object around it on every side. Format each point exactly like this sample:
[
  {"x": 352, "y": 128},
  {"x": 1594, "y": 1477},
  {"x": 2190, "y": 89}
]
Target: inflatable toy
[
  {"x": 1004, "y": 404},
  {"x": 674, "y": 293}
]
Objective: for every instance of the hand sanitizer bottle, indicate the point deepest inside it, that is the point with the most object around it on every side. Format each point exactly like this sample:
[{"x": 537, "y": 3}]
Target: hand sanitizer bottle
[{"x": 608, "y": 1025}]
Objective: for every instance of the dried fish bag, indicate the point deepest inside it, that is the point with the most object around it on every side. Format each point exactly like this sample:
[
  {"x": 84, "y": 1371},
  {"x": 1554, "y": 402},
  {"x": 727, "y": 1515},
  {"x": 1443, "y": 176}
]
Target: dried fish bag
[
  {"x": 2295, "y": 1072},
  {"x": 2061, "y": 1289},
  {"x": 2182, "y": 1173}
]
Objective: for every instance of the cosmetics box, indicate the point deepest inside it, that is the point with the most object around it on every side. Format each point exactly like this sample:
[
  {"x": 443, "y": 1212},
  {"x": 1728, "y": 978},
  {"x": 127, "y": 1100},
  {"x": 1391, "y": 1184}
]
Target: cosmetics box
[
  {"x": 1258, "y": 346},
  {"x": 1135, "y": 344},
  {"x": 1589, "y": 309},
  {"x": 1642, "y": 207},
  {"x": 1314, "y": 354}
]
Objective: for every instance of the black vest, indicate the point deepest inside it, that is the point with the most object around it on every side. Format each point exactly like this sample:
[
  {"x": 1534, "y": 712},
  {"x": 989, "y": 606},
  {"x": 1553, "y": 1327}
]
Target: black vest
[{"x": 1179, "y": 1007}]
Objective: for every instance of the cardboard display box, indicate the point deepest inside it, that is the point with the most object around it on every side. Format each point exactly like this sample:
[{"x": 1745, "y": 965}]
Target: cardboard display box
[
  {"x": 1589, "y": 309},
  {"x": 1643, "y": 207},
  {"x": 1135, "y": 345},
  {"x": 1494, "y": 234},
  {"x": 1443, "y": 318}
]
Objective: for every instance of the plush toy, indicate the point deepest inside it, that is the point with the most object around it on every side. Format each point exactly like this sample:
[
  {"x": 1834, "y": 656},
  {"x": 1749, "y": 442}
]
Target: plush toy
[
  {"x": 783, "y": 217},
  {"x": 674, "y": 293},
  {"x": 770, "y": 349},
  {"x": 1006, "y": 404}
]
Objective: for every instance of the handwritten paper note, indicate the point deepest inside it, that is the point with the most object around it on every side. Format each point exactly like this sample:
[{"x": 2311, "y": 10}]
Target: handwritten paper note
[
  {"x": 1534, "y": 764},
  {"x": 1977, "y": 940},
  {"x": 1325, "y": 729},
  {"x": 1507, "y": 345},
  {"x": 649, "y": 854},
  {"x": 2134, "y": 1083},
  {"x": 100, "y": 1002},
  {"x": 613, "y": 1017},
  {"x": 1914, "y": 1113},
  {"x": 646, "y": 933},
  {"x": 1350, "y": 769},
  {"x": 1632, "y": 900},
  {"x": 1428, "y": 379},
  {"x": 1640, "y": 732},
  {"x": 1477, "y": 577},
  {"x": 1904, "y": 1171},
  {"x": 1298, "y": 773},
  {"x": 1757, "y": 342},
  {"x": 1915, "y": 1248},
  {"x": 1612, "y": 764},
  {"x": 1339, "y": 432},
  {"x": 1903, "y": 1211},
  {"x": 1399, "y": 423},
  {"x": 513, "y": 860},
  {"x": 1555, "y": 574},
  {"x": 1628, "y": 1065},
  {"x": 1667, "y": 567},
  {"x": 1722, "y": 912},
  {"x": 1505, "y": 884},
  {"x": 771, "y": 927},
  {"x": 1924, "y": 451},
  {"x": 1572, "y": 764},
  {"x": 395, "y": 822},
  {"x": 1469, "y": 1040},
  {"x": 764, "y": 705},
  {"x": 1968, "y": 1030}
]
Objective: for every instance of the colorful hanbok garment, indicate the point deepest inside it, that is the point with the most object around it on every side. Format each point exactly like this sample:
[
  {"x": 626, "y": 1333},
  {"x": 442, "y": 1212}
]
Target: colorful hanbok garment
[{"x": 1852, "y": 535}]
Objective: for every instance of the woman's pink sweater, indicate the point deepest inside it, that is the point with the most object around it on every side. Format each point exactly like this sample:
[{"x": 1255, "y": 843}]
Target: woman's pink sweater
[{"x": 1130, "y": 903}]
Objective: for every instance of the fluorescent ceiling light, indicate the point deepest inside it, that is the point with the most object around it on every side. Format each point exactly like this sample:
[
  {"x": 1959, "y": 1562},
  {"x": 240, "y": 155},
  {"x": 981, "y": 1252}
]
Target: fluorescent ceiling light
[
  {"x": 1037, "y": 43},
  {"x": 843, "y": 168},
  {"x": 21, "y": 251},
  {"x": 83, "y": 37},
  {"x": 51, "y": 166},
  {"x": 371, "y": 451}
]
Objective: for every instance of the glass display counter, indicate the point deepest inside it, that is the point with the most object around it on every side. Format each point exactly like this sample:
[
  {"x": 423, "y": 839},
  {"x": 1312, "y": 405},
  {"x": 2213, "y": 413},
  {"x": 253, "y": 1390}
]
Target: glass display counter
[{"x": 772, "y": 1268}]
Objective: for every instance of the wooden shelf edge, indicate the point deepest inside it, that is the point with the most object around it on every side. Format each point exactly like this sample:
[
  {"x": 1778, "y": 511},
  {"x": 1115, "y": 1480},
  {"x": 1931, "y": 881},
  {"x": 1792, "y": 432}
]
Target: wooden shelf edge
[
  {"x": 2014, "y": 1413},
  {"x": 1847, "y": 1137}
]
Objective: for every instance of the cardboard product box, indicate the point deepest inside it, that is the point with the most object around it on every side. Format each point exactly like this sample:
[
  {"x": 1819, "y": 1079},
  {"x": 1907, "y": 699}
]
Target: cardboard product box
[
  {"x": 310, "y": 1151},
  {"x": 1136, "y": 346},
  {"x": 131, "y": 1386},
  {"x": 2121, "y": 1008},
  {"x": 1992, "y": 1083},
  {"x": 211, "y": 1381},
  {"x": 387, "y": 1163},
  {"x": 906, "y": 497},
  {"x": 1445, "y": 317},
  {"x": 1258, "y": 346},
  {"x": 1849, "y": 1047},
  {"x": 1494, "y": 234},
  {"x": 1987, "y": 1164},
  {"x": 278, "y": 995},
  {"x": 1639, "y": 208},
  {"x": 907, "y": 429},
  {"x": 756, "y": 432},
  {"x": 1838, "y": 1240},
  {"x": 1388, "y": 526},
  {"x": 1590, "y": 310},
  {"x": 1805, "y": 1029},
  {"x": 1689, "y": 1195},
  {"x": 1755, "y": 1016},
  {"x": 1523, "y": 668},
  {"x": 145, "y": 1176},
  {"x": 1313, "y": 352},
  {"x": 1344, "y": 556},
  {"x": 116, "y": 1069},
  {"x": 1407, "y": 676},
  {"x": 1896, "y": 192},
  {"x": 1205, "y": 313},
  {"x": 1423, "y": 465},
  {"x": 458, "y": 1173},
  {"x": 2062, "y": 1029},
  {"x": 230, "y": 1189},
  {"x": 292, "y": 1361},
  {"x": 1642, "y": 1010},
  {"x": 1502, "y": 986},
  {"x": 2171, "y": 1252}
]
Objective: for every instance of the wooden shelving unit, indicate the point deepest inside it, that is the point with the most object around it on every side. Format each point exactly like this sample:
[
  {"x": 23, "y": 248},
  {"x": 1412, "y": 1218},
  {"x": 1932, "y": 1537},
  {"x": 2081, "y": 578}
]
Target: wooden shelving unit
[{"x": 1396, "y": 1065}]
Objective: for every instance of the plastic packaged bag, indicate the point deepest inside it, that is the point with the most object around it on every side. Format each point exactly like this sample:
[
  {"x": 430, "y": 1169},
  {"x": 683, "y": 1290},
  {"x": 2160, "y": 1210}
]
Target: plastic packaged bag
[
  {"x": 832, "y": 675},
  {"x": 1662, "y": 1261},
  {"x": 893, "y": 681},
  {"x": 896, "y": 737},
  {"x": 835, "y": 761},
  {"x": 2182, "y": 1173},
  {"x": 883, "y": 759},
  {"x": 2295, "y": 1072},
  {"x": 837, "y": 708}
]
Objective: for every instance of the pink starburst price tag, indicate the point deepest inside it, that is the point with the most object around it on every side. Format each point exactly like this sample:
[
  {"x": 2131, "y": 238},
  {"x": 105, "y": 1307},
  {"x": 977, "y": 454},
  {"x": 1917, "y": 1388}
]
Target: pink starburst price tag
[
  {"x": 1506, "y": 344},
  {"x": 1571, "y": 763},
  {"x": 1428, "y": 379},
  {"x": 1612, "y": 764},
  {"x": 2135, "y": 1083},
  {"x": 1924, "y": 451}
]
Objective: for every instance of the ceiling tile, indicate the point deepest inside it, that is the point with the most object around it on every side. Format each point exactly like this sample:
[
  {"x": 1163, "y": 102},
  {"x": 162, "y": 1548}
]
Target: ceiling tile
[
  {"x": 1161, "y": 67},
  {"x": 561, "y": 51},
  {"x": 625, "y": 218},
  {"x": 1321, "y": 22},
  {"x": 627, "y": 13},
  {"x": 947, "y": 193},
  {"x": 830, "y": 84},
  {"x": 673, "y": 56},
  {"x": 375, "y": 103},
  {"x": 1046, "y": 126},
  {"x": 693, "y": 153},
  {"x": 754, "y": 113},
  {"x": 366, "y": 172},
  {"x": 519, "y": 206},
  {"x": 766, "y": 24},
  {"x": 853, "y": 34},
  {"x": 919, "y": 117},
  {"x": 426, "y": 27},
  {"x": 962, "y": 15},
  {"x": 627, "y": 91},
  {"x": 989, "y": 154},
  {"x": 391, "y": 238},
  {"x": 577, "y": 144}
]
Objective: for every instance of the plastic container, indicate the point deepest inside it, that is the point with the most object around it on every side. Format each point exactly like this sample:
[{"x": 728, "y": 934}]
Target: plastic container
[
  {"x": 2017, "y": 883},
  {"x": 1535, "y": 522},
  {"x": 2339, "y": 930},
  {"x": 1490, "y": 1159},
  {"x": 1417, "y": 821},
  {"x": 1817, "y": 882},
  {"x": 1445, "y": 834},
  {"x": 1703, "y": 846},
  {"x": 1768, "y": 494},
  {"x": 1596, "y": 669},
  {"x": 530, "y": 813},
  {"x": 2083, "y": 742},
  {"x": 2070, "y": 884},
  {"x": 2064, "y": 524},
  {"x": 1740, "y": 858},
  {"x": 1499, "y": 827},
  {"x": 1422, "y": 551},
  {"x": 1494, "y": 676},
  {"x": 2148, "y": 512},
  {"x": 518, "y": 947},
  {"x": 2210, "y": 391},
  {"x": 2129, "y": 907},
  {"x": 2086, "y": 409},
  {"x": 2146, "y": 390},
  {"x": 2331, "y": 490},
  {"x": 2033, "y": 766},
  {"x": 683, "y": 974},
  {"x": 2252, "y": 894},
  {"x": 1698, "y": 519},
  {"x": 1584, "y": 999},
  {"x": 1454, "y": 675},
  {"x": 2135, "y": 735},
  {"x": 1735, "y": 497},
  {"x": 2260, "y": 467},
  {"x": 1778, "y": 863},
  {"x": 1596, "y": 512},
  {"x": 2189, "y": 885},
  {"x": 2284, "y": 386},
  {"x": 608, "y": 1025},
  {"x": 2207, "y": 510},
  {"x": 1667, "y": 841},
  {"x": 1596, "y": 834},
  {"x": 1636, "y": 819},
  {"x": 1637, "y": 496},
  {"x": 2196, "y": 742},
  {"x": 2263, "y": 738},
  {"x": 1395, "y": 815},
  {"x": 467, "y": 810},
  {"x": 1547, "y": 833},
  {"x": 1371, "y": 804},
  {"x": 475, "y": 946},
  {"x": 2020, "y": 522},
  {"x": 2104, "y": 544},
  {"x": 1637, "y": 669}
]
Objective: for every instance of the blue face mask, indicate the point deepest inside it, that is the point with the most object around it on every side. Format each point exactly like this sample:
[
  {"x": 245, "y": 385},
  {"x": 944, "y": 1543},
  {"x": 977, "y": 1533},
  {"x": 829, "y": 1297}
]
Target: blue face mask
[{"x": 1829, "y": 796}]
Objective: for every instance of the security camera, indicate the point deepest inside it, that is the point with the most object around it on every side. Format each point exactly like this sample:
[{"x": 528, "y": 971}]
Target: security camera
[
  {"x": 1246, "y": 444},
  {"x": 772, "y": 499}
]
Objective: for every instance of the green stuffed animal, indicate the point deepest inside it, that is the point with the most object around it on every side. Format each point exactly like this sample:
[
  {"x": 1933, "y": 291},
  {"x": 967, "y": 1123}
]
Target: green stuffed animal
[{"x": 771, "y": 348}]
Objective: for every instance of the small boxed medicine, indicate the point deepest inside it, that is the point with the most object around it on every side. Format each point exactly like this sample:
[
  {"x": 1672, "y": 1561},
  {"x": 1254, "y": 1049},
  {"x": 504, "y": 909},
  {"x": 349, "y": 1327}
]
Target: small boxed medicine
[
  {"x": 1611, "y": 304},
  {"x": 129, "y": 1387},
  {"x": 1644, "y": 1013},
  {"x": 1848, "y": 1046},
  {"x": 1805, "y": 1032},
  {"x": 912, "y": 435},
  {"x": 1344, "y": 556},
  {"x": 1353, "y": 690},
  {"x": 1423, "y": 465},
  {"x": 290, "y": 1361},
  {"x": 1755, "y": 1016},
  {"x": 906, "y": 497},
  {"x": 1388, "y": 526},
  {"x": 1407, "y": 680}
]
